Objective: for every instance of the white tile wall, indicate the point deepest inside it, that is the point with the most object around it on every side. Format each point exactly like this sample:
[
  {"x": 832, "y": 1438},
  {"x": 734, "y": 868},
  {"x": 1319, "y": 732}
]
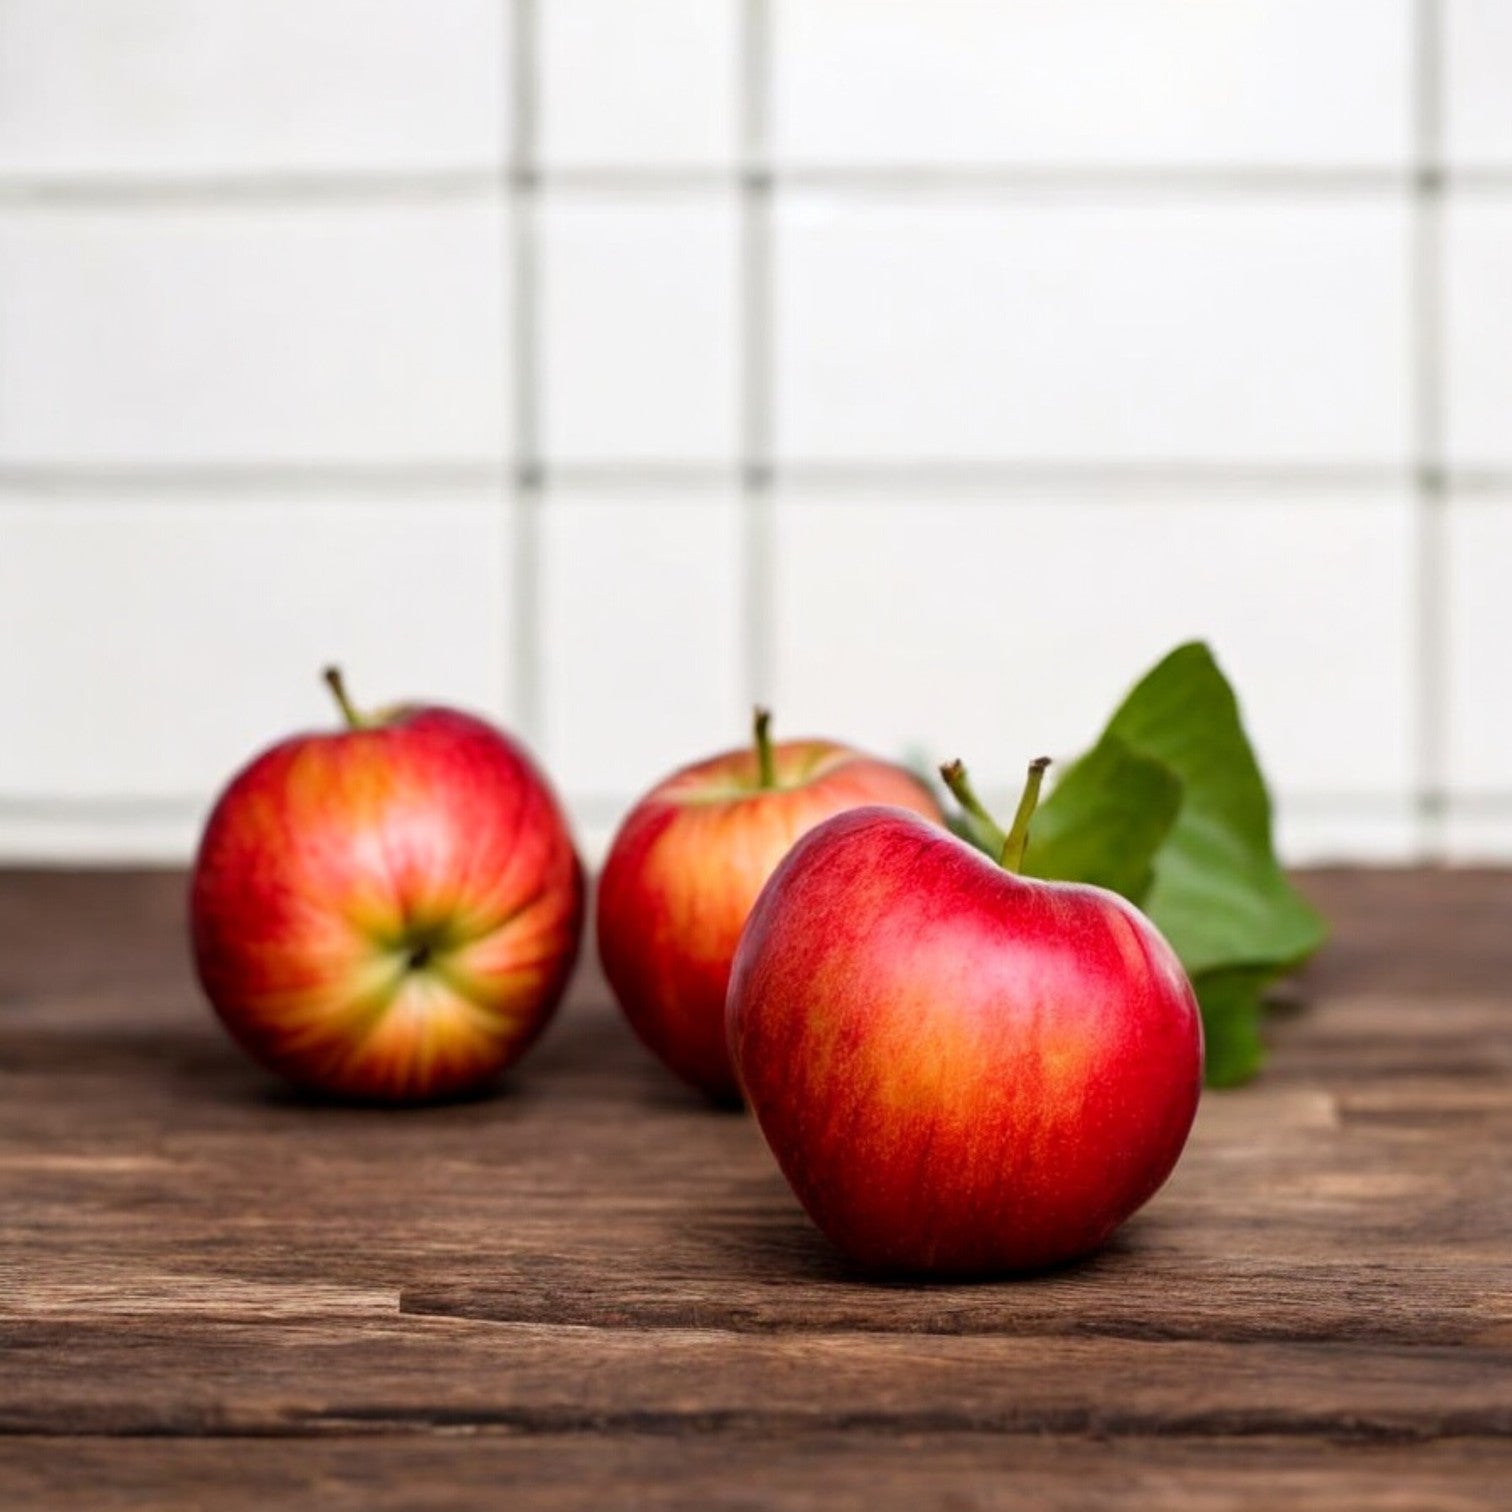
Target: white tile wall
[
  {"x": 997, "y": 629},
  {"x": 1478, "y": 121},
  {"x": 152, "y": 647},
  {"x": 654, "y": 82},
  {"x": 641, "y": 630},
  {"x": 1480, "y": 681},
  {"x": 1478, "y": 837},
  {"x": 252, "y": 333},
  {"x": 1272, "y": 328},
  {"x": 1479, "y": 331},
  {"x": 188, "y": 87},
  {"x": 1331, "y": 831},
  {"x": 1093, "y": 82},
  {"x": 1081, "y": 326},
  {"x": 639, "y": 324},
  {"x": 72, "y": 832}
]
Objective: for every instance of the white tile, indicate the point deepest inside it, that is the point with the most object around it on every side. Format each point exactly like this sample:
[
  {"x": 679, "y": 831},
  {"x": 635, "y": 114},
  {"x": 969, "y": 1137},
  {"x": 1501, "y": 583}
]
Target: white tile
[
  {"x": 1479, "y": 332},
  {"x": 639, "y": 329},
  {"x": 648, "y": 84},
  {"x": 1317, "y": 834},
  {"x": 252, "y": 334},
  {"x": 91, "y": 836},
  {"x": 594, "y": 828},
  {"x": 1000, "y": 629},
  {"x": 1268, "y": 329},
  {"x": 640, "y": 637},
  {"x": 190, "y": 86},
  {"x": 166, "y": 642},
  {"x": 1479, "y": 838},
  {"x": 1480, "y": 635},
  {"x": 1093, "y": 81},
  {"x": 1477, "y": 66}
]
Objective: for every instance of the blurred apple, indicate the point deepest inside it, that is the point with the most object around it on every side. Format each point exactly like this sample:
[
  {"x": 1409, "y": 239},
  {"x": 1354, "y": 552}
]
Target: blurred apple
[
  {"x": 389, "y": 912},
  {"x": 686, "y": 867}
]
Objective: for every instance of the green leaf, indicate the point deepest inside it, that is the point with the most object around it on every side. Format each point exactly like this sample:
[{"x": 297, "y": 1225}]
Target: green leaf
[
  {"x": 1219, "y": 895},
  {"x": 1232, "y": 1009},
  {"x": 1106, "y": 821},
  {"x": 1170, "y": 810}
]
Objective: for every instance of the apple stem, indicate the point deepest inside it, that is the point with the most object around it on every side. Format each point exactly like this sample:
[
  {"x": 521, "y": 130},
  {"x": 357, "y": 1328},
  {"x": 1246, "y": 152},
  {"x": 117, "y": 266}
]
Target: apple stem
[
  {"x": 337, "y": 684},
  {"x": 1018, "y": 832},
  {"x": 1009, "y": 848},
  {"x": 954, "y": 774},
  {"x": 766, "y": 762}
]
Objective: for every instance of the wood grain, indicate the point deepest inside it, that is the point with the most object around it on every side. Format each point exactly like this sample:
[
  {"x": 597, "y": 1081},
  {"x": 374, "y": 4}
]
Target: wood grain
[
  {"x": 593, "y": 1291},
  {"x": 839, "y": 1472}
]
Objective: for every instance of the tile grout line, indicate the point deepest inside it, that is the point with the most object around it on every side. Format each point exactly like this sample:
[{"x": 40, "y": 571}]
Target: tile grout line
[
  {"x": 757, "y": 566},
  {"x": 1431, "y": 669},
  {"x": 335, "y": 480},
  {"x": 522, "y": 295},
  {"x": 1307, "y": 803},
  {"x": 20, "y": 193}
]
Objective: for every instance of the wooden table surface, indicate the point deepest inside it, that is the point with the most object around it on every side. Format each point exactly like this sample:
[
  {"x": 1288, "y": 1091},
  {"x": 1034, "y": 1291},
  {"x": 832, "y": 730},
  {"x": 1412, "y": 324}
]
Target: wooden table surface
[{"x": 590, "y": 1291}]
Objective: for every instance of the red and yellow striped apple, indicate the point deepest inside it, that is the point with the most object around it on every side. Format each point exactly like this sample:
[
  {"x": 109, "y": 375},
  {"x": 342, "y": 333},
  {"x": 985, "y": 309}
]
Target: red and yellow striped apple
[
  {"x": 686, "y": 866},
  {"x": 389, "y": 912},
  {"x": 961, "y": 1071}
]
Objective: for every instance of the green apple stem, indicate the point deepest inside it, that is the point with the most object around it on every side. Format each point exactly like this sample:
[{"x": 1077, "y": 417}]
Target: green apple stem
[
  {"x": 1018, "y": 832},
  {"x": 1009, "y": 847},
  {"x": 766, "y": 762},
  {"x": 337, "y": 684},
  {"x": 954, "y": 774}
]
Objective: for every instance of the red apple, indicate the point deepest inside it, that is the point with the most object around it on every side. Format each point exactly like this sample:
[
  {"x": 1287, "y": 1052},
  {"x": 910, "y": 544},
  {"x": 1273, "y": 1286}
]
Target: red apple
[
  {"x": 960, "y": 1071},
  {"x": 686, "y": 867},
  {"x": 389, "y": 912}
]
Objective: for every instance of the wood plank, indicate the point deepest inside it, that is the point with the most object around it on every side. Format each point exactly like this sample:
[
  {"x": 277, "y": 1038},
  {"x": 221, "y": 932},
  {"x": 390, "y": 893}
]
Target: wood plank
[
  {"x": 860, "y": 1472},
  {"x": 1234, "y": 1301},
  {"x": 189, "y": 1375},
  {"x": 1412, "y": 933}
]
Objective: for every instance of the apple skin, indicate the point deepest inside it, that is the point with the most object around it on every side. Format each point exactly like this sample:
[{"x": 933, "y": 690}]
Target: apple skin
[
  {"x": 961, "y": 1072},
  {"x": 388, "y": 913},
  {"x": 684, "y": 870}
]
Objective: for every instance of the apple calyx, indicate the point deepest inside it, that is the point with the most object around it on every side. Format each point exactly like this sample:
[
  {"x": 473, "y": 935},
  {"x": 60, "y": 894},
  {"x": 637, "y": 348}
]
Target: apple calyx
[
  {"x": 355, "y": 719},
  {"x": 421, "y": 947},
  {"x": 1009, "y": 846},
  {"x": 766, "y": 760}
]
